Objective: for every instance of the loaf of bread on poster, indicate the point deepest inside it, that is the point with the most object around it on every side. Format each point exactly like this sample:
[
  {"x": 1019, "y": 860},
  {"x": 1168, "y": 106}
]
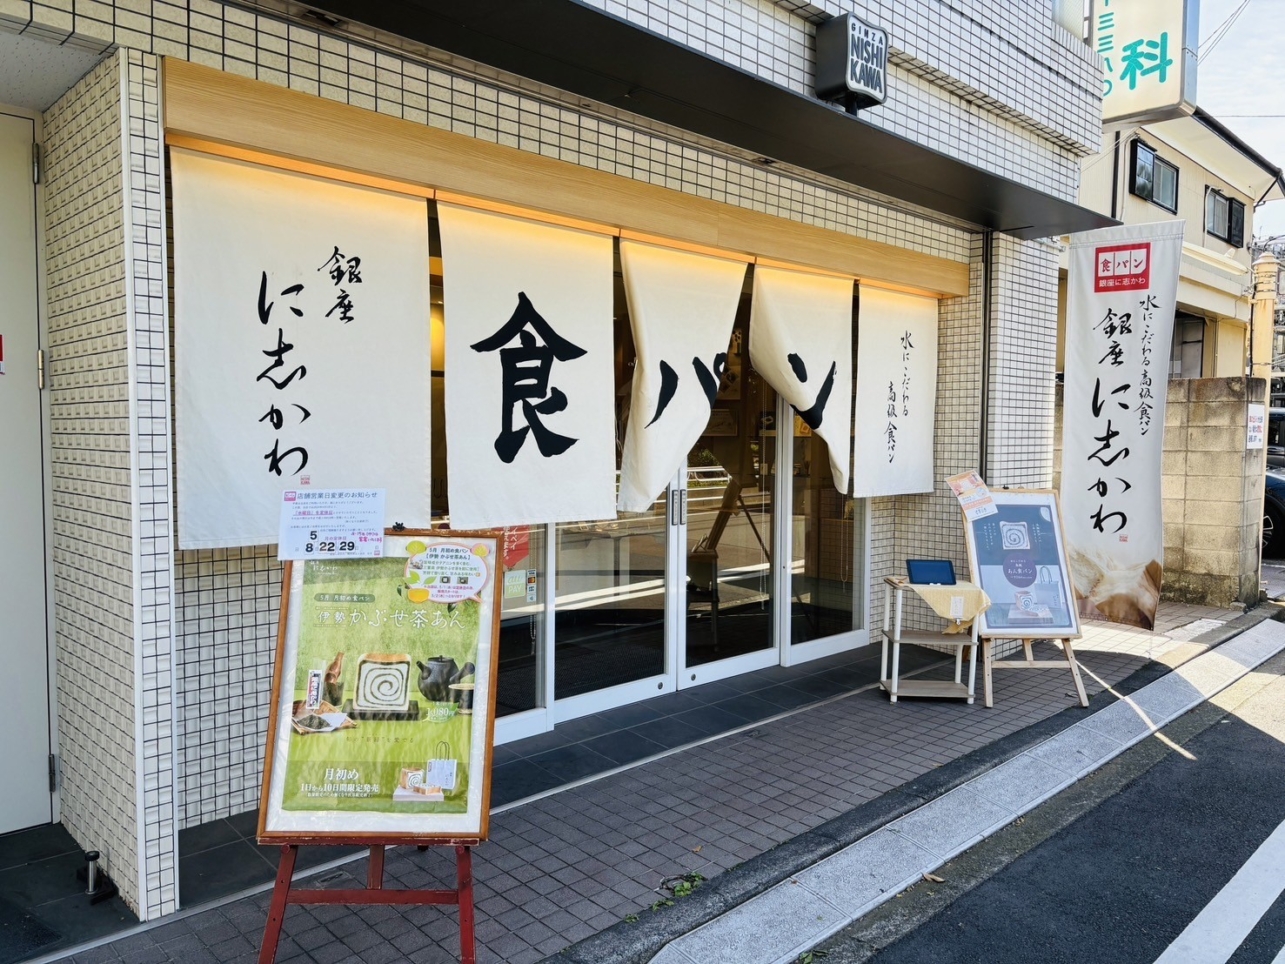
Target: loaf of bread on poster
[
  {"x": 383, "y": 682},
  {"x": 1127, "y": 596}
]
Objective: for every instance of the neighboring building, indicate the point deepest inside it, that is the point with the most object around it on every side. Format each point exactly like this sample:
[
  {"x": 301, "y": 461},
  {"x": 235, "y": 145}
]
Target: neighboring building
[
  {"x": 692, "y": 123},
  {"x": 1196, "y": 169}
]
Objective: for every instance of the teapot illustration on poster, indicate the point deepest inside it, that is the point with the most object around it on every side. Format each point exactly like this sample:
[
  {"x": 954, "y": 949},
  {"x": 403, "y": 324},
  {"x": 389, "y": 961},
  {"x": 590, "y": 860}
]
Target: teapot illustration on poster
[{"x": 440, "y": 675}]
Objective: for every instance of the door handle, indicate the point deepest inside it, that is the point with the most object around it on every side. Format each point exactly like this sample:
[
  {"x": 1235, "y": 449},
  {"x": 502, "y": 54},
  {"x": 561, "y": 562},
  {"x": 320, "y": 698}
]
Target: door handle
[{"x": 677, "y": 507}]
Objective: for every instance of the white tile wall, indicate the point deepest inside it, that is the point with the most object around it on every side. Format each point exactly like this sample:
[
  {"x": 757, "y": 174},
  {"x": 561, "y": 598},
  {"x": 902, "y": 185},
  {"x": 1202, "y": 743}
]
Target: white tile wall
[
  {"x": 992, "y": 83},
  {"x": 92, "y": 543},
  {"x": 109, "y": 379},
  {"x": 1023, "y": 359},
  {"x": 226, "y": 633},
  {"x": 153, "y": 500},
  {"x": 927, "y": 526},
  {"x": 987, "y": 83},
  {"x": 1010, "y": 57},
  {"x": 1019, "y": 415}
]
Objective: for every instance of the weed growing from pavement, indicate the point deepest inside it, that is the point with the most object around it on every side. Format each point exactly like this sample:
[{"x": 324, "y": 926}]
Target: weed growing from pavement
[
  {"x": 684, "y": 885},
  {"x": 678, "y": 886}
]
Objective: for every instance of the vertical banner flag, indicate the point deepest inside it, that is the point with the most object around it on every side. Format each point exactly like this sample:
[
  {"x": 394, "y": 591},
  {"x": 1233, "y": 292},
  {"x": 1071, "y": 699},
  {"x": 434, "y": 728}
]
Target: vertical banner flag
[
  {"x": 801, "y": 343},
  {"x": 1122, "y": 286},
  {"x": 530, "y": 386},
  {"x": 892, "y": 447},
  {"x": 301, "y": 346},
  {"x": 681, "y": 307}
]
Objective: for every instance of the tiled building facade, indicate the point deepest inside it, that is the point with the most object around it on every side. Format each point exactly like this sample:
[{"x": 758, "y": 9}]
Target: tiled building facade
[{"x": 154, "y": 629}]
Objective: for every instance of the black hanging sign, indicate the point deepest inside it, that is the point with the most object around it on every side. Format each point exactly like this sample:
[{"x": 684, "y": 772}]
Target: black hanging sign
[{"x": 852, "y": 62}]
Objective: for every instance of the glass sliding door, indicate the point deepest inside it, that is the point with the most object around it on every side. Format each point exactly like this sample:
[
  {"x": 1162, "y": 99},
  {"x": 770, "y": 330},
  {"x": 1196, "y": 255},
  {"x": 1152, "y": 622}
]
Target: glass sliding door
[
  {"x": 727, "y": 592},
  {"x": 610, "y": 627},
  {"x": 749, "y": 559},
  {"x": 521, "y": 684},
  {"x": 827, "y": 568},
  {"x": 614, "y": 585},
  {"x": 828, "y": 536}
]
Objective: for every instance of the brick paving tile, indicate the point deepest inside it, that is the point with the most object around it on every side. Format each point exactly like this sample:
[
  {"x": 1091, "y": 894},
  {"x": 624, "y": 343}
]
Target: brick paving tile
[
  {"x": 185, "y": 947},
  {"x": 216, "y": 929},
  {"x": 434, "y": 955},
  {"x": 231, "y": 948},
  {"x": 382, "y": 953},
  {"x": 348, "y": 924},
  {"x": 310, "y": 938},
  {"x": 566, "y": 866},
  {"x": 97, "y": 955},
  {"x": 331, "y": 953},
  {"x": 363, "y": 939}
]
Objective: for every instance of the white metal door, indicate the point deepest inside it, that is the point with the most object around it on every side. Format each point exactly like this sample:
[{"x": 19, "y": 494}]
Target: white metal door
[{"x": 24, "y": 638}]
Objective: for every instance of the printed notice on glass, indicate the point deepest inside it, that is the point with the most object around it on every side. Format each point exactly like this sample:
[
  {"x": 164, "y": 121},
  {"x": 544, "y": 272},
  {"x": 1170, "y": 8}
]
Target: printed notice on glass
[
  {"x": 973, "y": 495},
  {"x": 331, "y": 524}
]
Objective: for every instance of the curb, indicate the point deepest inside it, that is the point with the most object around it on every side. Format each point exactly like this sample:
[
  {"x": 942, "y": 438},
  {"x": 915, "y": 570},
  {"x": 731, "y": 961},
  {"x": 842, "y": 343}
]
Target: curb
[{"x": 639, "y": 942}]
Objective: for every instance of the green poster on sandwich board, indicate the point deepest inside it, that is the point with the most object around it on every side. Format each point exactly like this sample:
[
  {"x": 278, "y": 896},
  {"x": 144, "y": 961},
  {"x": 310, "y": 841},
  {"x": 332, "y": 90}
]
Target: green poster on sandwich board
[{"x": 383, "y": 707}]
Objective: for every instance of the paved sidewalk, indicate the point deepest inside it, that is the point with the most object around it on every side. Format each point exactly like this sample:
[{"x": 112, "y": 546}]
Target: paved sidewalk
[
  {"x": 780, "y": 923},
  {"x": 567, "y": 866}
]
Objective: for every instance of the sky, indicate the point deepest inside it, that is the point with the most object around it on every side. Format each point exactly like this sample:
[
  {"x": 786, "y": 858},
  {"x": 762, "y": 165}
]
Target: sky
[{"x": 1244, "y": 74}]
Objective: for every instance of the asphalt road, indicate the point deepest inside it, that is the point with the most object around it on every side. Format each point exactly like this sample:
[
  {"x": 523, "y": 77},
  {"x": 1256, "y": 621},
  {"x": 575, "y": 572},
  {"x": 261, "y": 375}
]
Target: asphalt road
[{"x": 1115, "y": 868}]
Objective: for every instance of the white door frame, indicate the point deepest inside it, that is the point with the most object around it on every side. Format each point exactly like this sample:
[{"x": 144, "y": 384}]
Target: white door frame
[
  {"x": 734, "y": 665},
  {"x": 794, "y": 655},
  {"x": 595, "y": 701},
  {"x": 677, "y": 675},
  {"x": 46, "y": 443},
  {"x": 518, "y": 726},
  {"x": 841, "y": 642}
]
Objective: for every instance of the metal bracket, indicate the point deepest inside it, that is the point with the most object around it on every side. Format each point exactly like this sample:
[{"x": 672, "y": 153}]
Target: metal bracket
[{"x": 37, "y": 163}]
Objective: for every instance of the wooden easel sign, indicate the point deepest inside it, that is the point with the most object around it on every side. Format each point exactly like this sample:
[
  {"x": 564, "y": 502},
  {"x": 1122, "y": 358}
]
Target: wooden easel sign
[
  {"x": 1018, "y": 556},
  {"x": 383, "y": 712}
]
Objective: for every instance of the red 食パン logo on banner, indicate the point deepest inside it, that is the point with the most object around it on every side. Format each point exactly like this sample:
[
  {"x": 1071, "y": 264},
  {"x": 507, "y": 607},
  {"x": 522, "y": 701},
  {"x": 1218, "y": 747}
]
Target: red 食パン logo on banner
[{"x": 1122, "y": 267}]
